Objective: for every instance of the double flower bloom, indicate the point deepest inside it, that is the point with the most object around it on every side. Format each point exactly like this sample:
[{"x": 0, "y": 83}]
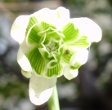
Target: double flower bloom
[{"x": 52, "y": 45}]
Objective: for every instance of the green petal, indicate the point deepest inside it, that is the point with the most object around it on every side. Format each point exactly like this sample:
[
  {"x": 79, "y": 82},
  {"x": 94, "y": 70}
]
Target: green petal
[
  {"x": 38, "y": 32},
  {"x": 32, "y": 21},
  {"x": 33, "y": 36},
  {"x": 45, "y": 54},
  {"x": 82, "y": 42},
  {"x": 52, "y": 63},
  {"x": 56, "y": 71},
  {"x": 71, "y": 33},
  {"x": 54, "y": 34},
  {"x": 46, "y": 26},
  {"x": 36, "y": 60},
  {"x": 50, "y": 31},
  {"x": 67, "y": 54},
  {"x": 75, "y": 66}
]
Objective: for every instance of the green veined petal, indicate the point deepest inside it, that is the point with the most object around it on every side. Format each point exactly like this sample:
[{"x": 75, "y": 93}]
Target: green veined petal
[
  {"x": 67, "y": 54},
  {"x": 45, "y": 54},
  {"x": 54, "y": 34},
  {"x": 33, "y": 36},
  {"x": 46, "y": 26},
  {"x": 32, "y": 21},
  {"x": 50, "y": 31},
  {"x": 75, "y": 66},
  {"x": 71, "y": 33},
  {"x": 82, "y": 42},
  {"x": 36, "y": 60},
  {"x": 56, "y": 71}
]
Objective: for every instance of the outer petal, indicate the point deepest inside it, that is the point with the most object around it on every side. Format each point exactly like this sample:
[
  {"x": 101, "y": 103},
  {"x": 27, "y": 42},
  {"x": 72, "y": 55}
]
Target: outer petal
[
  {"x": 63, "y": 13},
  {"x": 76, "y": 60},
  {"x": 23, "y": 61},
  {"x": 40, "y": 89},
  {"x": 69, "y": 73},
  {"x": 57, "y": 17},
  {"x": 63, "y": 16},
  {"x": 88, "y": 28},
  {"x": 46, "y": 15},
  {"x": 80, "y": 57},
  {"x": 19, "y": 27}
]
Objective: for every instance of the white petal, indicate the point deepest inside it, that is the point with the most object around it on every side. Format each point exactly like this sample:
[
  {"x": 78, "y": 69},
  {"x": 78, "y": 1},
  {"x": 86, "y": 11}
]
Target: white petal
[
  {"x": 46, "y": 15},
  {"x": 44, "y": 96},
  {"x": 80, "y": 57},
  {"x": 58, "y": 17},
  {"x": 27, "y": 74},
  {"x": 88, "y": 28},
  {"x": 69, "y": 73},
  {"x": 19, "y": 27},
  {"x": 64, "y": 13},
  {"x": 63, "y": 16},
  {"x": 23, "y": 61},
  {"x": 40, "y": 89}
]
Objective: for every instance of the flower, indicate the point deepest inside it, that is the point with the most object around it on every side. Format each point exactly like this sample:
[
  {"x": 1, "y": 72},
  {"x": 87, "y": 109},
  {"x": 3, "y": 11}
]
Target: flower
[{"x": 51, "y": 45}]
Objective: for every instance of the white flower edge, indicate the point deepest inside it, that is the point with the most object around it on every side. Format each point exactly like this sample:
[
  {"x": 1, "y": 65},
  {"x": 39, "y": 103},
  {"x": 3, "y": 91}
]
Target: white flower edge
[
  {"x": 89, "y": 28},
  {"x": 18, "y": 28},
  {"x": 58, "y": 17},
  {"x": 23, "y": 60},
  {"x": 40, "y": 88},
  {"x": 81, "y": 58},
  {"x": 68, "y": 73}
]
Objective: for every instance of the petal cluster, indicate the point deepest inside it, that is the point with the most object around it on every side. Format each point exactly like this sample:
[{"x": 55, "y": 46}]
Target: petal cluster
[{"x": 52, "y": 45}]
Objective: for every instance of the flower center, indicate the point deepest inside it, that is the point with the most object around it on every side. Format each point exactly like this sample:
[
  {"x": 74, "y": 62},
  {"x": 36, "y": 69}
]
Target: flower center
[{"x": 52, "y": 46}]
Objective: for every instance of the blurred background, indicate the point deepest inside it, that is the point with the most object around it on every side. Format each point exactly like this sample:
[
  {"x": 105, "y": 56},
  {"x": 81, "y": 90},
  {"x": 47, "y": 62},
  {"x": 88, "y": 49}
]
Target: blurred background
[{"x": 91, "y": 90}]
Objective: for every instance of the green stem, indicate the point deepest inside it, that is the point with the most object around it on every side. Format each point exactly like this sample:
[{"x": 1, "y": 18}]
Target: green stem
[{"x": 53, "y": 102}]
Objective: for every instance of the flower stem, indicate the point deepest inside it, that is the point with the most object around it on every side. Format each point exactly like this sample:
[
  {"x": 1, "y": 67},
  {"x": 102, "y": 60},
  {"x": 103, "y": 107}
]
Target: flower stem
[{"x": 53, "y": 102}]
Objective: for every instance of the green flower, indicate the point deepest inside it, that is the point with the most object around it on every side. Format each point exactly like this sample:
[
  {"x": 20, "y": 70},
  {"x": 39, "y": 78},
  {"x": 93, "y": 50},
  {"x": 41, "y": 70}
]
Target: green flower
[{"x": 52, "y": 45}]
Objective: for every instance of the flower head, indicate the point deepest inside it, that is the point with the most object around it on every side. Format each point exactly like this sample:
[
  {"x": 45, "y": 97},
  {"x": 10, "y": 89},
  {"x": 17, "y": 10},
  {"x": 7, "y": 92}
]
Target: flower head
[{"x": 52, "y": 45}]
